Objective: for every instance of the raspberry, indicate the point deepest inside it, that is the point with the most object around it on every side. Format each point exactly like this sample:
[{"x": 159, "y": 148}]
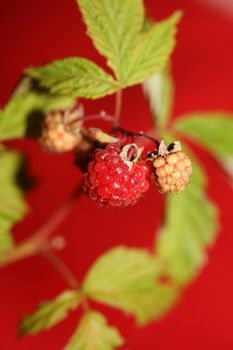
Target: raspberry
[
  {"x": 113, "y": 181},
  {"x": 171, "y": 168},
  {"x": 58, "y": 133}
]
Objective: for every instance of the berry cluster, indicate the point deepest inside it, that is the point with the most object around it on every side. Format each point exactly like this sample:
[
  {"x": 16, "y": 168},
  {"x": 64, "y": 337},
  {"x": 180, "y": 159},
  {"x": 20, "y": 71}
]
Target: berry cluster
[
  {"x": 115, "y": 180},
  {"x": 115, "y": 174}
]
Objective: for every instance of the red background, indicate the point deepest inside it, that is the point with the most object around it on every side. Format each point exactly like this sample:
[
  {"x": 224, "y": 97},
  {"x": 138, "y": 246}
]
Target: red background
[{"x": 36, "y": 32}]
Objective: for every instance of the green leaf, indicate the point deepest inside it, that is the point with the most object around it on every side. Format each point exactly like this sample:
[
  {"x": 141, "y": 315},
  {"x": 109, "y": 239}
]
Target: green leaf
[
  {"x": 50, "y": 313},
  {"x": 152, "y": 51},
  {"x": 93, "y": 333},
  {"x": 213, "y": 130},
  {"x": 126, "y": 278},
  {"x": 14, "y": 118},
  {"x": 148, "y": 23},
  {"x": 12, "y": 205},
  {"x": 77, "y": 77},
  {"x": 190, "y": 227},
  {"x": 159, "y": 90},
  {"x": 113, "y": 27}
]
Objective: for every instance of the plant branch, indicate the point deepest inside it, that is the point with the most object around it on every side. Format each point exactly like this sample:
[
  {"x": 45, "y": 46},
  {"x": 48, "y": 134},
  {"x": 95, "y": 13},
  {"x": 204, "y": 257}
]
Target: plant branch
[{"x": 39, "y": 240}]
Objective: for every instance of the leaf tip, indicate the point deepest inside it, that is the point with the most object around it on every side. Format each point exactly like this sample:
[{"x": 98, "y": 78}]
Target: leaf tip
[{"x": 178, "y": 15}]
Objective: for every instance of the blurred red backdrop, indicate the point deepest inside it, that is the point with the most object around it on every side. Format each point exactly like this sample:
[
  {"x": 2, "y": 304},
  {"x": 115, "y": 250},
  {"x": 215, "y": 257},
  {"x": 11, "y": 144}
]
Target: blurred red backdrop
[{"x": 33, "y": 33}]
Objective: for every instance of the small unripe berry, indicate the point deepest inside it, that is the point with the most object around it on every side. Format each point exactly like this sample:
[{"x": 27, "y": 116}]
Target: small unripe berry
[
  {"x": 61, "y": 130},
  {"x": 171, "y": 168}
]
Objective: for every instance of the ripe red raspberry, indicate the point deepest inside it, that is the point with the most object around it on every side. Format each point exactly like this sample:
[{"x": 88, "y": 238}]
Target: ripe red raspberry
[
  {"x": 58, "y": 133},
  {"x": 172, "y": 168},
  {"x": 113, "y": 180}
]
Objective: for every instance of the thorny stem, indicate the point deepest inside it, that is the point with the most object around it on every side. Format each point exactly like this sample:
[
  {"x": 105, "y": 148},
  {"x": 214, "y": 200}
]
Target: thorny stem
[
  {"x": 39, "y": 240},
  {"x": 118, "y": 106}
]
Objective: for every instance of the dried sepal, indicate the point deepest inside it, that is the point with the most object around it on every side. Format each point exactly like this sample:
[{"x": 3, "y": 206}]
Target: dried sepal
[{"x": 101, "y": 136}]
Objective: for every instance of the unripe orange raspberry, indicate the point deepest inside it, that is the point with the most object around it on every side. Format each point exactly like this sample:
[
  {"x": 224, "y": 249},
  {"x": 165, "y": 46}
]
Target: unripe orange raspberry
[
  {"x": 61, "y": 130},
  {"x": 171, "y": 168}
]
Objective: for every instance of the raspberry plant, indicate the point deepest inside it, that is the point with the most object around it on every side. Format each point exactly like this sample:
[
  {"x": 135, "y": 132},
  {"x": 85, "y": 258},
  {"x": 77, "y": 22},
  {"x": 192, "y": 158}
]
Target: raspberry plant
[{"x": 118, "y": 166}]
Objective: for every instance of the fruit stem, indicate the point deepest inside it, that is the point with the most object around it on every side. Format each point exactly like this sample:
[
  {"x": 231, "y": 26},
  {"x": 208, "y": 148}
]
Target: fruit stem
[
  {"x": 101, "y": 116},
  {"x": 137, "y": 134},
  {"x": 118, "y": 106}
]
